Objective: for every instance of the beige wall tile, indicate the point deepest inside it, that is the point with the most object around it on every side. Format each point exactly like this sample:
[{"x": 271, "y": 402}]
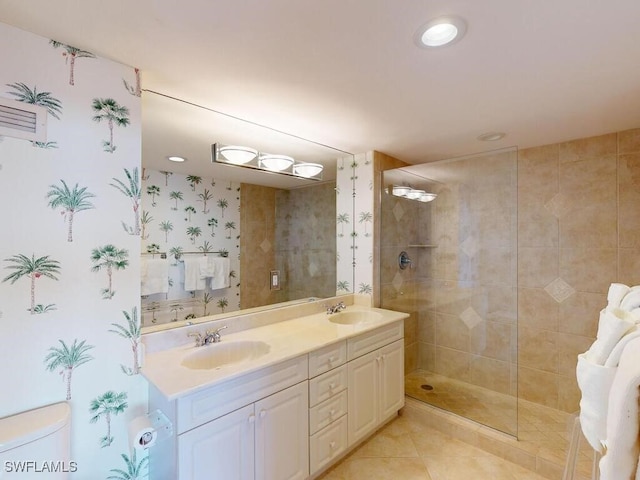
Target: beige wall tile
[
  {"x": 427, "y": 356},
  {"x": 628, "y": 200},
  {"x": 536, "y": 308},
  {"x": 410, "y": 358},
  {"x": 452, "y": 332},
  {"x": 579, "y": 314},
  {"x": 452, "y": 363},
  {"x": 492, "y": 340},
  {"x": 490, "y": 373},
  {"x": 538, "y": 386},
  {"x": 578, "y": 267},
  {"x": 537, "y": 225},
  {"x": 582, "y": 148},
  {"x": 629, "y": 141},
  {"x": 538, "y": 169},
  {"x": 568, "y": 394},
  {"x": 589, "y": 188},
  {"x": 537, "y": 267},
  {"x": 538, "y": 349},
  {"x": 569, "y": 346},
  {"x": 629, "y": 266}
]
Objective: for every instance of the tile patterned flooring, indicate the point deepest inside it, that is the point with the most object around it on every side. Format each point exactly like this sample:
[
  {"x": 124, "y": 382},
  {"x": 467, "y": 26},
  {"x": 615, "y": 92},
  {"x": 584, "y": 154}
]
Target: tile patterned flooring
[
  {"x": 410, "y": 447},
  {"x": 407, "y": 449}
]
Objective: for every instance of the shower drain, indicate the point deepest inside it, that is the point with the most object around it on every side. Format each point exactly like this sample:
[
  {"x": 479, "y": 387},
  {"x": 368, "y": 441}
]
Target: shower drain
[{"x": 426, "y": 387}]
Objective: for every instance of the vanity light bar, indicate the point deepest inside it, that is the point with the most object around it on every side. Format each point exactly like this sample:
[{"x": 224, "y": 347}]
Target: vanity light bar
[
  {"x": 246, "y": 157},
  {"x": 411, "y": 193}
]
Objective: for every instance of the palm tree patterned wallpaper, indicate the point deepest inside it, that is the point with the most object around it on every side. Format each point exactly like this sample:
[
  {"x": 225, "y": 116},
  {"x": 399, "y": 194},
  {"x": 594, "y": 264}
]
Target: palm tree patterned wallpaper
[
  {"x": 354, "y": 224},
  {"x": 185, "y": 216},
  {"x": 70, "y": 250}
]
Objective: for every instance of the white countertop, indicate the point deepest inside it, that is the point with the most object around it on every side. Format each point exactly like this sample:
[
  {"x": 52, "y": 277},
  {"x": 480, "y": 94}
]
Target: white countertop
[{"x": 286, "y": 339}]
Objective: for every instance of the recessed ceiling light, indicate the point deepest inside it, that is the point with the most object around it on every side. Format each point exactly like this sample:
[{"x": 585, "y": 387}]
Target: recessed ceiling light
[
  {"x": 492, "y": 136},
  {"x": 441, "y": 31},
  {"x": 174, "y": 158}
]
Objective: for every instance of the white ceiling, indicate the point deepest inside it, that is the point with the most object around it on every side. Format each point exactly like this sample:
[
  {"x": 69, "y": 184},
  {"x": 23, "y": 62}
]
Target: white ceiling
[{"x": 346, "y": 73}]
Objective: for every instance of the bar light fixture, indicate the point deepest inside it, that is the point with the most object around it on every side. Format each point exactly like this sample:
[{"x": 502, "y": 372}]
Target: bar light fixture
[
  {"x": 247, "y": 157},
  {"x": 411, "y": 193}
]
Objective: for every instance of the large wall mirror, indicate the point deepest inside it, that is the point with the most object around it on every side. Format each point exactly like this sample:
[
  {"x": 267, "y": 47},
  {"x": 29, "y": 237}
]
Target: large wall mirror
[{"x": 220, "y": 238}]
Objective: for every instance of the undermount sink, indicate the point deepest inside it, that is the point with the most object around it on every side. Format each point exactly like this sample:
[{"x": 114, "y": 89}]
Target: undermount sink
[
  {"x": 354, "y": 317},
  {"x": 224, "y": 353}
]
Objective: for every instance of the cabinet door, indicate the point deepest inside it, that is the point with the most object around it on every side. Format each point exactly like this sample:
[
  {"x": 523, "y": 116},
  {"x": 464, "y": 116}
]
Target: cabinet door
[
  {"x": 219, "y": 450},
  {"x": 363, "y": 391},
  {"x": 282, "y": 435},
  {"x": 391, "y": 379}
]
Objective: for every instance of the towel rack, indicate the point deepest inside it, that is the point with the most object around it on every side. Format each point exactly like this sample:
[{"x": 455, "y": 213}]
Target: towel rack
[{"x": 162, "y": 254}]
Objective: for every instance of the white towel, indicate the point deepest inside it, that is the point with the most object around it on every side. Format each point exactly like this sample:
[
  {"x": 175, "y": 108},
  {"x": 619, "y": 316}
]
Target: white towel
[
  {"x": 595, "y": 383},
  {"x": 154, "y": 276},
  {"x": 613, "y": 324},
  {"x": 220, "y": 278},
  {"x": 623, "y": 447},
  {"x": 631, "y": 300},
  {"x": 192, "y": 280},
  {"x": 617, "y": 292},
  {"x": 207, "y": 267},
  {"x": 616, "y": 353}
]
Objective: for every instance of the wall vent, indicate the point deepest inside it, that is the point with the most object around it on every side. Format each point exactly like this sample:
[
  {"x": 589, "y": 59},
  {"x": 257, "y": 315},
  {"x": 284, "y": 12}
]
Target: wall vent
[{"x": 23, "y": 120}]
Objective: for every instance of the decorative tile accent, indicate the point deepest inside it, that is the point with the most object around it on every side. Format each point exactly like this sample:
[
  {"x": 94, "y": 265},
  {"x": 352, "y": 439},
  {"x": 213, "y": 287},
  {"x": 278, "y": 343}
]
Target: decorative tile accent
[
  {"x": 397, "y": 281},
  {"x": 470, "y": 246},
  {"x": 471, "y": 318},
  {"x": 398, "y": 211},
  {"x": 558, "y": 205},
  {"x": 559, "y": 290},
  {"x": 265, "y": 246},
  {"x": 313, "y": 269}
]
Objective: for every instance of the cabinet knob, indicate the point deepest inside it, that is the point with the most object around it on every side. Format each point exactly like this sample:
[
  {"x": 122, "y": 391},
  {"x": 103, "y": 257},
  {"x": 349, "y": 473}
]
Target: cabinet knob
[
  {"x": 331, "y": 360},
  {"x": 252, "y": 418},
  {"x": 263, "y": 413},
  {"x": 332, "y": 386},
  {"x": 332, "y": 445}
]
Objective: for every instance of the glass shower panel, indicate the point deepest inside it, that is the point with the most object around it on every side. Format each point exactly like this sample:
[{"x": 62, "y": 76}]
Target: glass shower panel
[{"x": 460, "y": 284}]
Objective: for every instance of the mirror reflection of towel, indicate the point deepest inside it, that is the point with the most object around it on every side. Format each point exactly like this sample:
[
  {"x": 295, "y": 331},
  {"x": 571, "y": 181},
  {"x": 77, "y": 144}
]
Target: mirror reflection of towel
[
  {"x": 154, "y": 276},
  {"x": 192, "y": 279},
  {"x": 221, "y": 269}
]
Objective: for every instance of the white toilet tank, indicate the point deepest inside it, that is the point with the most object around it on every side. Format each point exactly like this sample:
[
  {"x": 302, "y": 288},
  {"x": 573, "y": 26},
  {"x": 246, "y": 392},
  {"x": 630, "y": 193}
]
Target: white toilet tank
[{"x": 36, "y": 444}]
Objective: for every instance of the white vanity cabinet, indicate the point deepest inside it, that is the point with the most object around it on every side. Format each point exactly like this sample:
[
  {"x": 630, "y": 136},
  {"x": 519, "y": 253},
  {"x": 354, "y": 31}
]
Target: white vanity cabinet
[
  {"x": 265, "y": 441},
  {"x": 328, "y": 403},
  {"x": 255, "y": 426},
  {"x": 376, "y": 380},
  {"x": 288, "y": 420}
]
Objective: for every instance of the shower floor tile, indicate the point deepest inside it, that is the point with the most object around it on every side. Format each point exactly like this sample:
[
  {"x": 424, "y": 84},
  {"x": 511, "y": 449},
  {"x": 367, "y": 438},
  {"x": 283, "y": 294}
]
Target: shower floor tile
[{"x": 539, "y": 429}]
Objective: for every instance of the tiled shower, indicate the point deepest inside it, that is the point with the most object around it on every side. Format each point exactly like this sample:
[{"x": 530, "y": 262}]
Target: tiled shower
[
  {"x": 461, "y": 285},
  {"x": 576, "y": 230}
]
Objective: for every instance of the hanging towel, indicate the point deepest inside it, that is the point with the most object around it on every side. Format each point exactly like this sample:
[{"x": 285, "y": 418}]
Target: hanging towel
[
  {"x": 192, "y": 280},
  {"x": 595, "y": 383},
  {"x": 613, "y": 324},
  {"x": 154, "y": 276},
  {"x": 617, "y": 292},
  {"x": 221, "y": 269},
  {"x": 631, "y": 300},
  {"x": 623, "y": 446},
  {"x": 207, "y": 267}
]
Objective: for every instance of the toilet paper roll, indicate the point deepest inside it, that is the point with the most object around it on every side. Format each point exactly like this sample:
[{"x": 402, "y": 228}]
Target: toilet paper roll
[{"x": 142, "y": 434}]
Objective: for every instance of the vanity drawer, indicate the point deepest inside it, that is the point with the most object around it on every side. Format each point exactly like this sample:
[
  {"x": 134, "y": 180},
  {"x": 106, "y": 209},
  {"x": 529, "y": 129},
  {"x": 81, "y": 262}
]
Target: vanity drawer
[
  {"x": 370, "y": 341},
  {"x": 327, "y": 358},
  {"x": 327, "y": 385},
  {"x": 201, "y": 407},
  {"x": 327, "y": 412},
  {"x": 327, "y": 444}
]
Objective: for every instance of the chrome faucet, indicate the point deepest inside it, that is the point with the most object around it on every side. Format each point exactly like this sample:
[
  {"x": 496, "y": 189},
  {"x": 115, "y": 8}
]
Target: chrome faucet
[
  {"x": 211, "y": 336},
  {"x": 336, "y": 308}
]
